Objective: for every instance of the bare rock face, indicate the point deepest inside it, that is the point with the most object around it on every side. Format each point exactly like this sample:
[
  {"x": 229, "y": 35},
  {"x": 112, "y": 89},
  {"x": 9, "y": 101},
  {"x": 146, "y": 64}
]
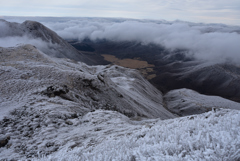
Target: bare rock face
[
  {"x": 53, "y": 91},
  {"x": 4, "y": 140}
]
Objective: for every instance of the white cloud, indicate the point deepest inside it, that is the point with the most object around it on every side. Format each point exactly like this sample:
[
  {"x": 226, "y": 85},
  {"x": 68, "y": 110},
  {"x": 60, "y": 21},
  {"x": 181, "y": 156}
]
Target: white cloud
[
  {"x": 207, "y": 42},
  {"x": 214, "y": 42},
  {"x": 46, "y": 47},
  {"x": 220, "y": 11}
]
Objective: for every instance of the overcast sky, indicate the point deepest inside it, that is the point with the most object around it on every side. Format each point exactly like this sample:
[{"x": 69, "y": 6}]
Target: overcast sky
[{"x": 206, "y": 11}]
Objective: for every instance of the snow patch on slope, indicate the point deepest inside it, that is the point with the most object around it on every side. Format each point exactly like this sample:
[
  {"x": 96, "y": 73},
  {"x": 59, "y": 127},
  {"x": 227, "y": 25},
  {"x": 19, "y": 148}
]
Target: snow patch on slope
[{"x": 123, "y": 82}]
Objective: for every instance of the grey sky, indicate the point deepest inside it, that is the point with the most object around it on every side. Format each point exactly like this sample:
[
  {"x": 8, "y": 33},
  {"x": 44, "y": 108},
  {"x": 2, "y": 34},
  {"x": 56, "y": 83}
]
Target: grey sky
[{"x": 207, "y": 11}]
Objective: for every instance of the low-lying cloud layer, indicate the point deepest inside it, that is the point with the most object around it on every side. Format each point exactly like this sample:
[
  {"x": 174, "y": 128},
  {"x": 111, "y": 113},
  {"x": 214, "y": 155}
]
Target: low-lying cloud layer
[
  {"x": 15, "y": 34},
  {"x": 214, "y": 42},
  {"x": 207, "y": 42},
  {"x": 208, "y": 11}
]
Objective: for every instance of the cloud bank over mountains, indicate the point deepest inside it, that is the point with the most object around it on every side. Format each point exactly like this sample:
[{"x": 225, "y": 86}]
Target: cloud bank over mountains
[
  {"x": 206, "y": 42},
  {"x": 34, "y": 33},
  {"x": 214, "y": 42},
  {"x": 207, "y": 11},
  {"x": 13, "y": 34}
]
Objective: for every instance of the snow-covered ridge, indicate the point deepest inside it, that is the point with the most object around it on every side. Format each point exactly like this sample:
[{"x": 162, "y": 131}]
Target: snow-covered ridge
[
  {"x": 25, "y": 70},
  {"x": 45, "y": 96}
]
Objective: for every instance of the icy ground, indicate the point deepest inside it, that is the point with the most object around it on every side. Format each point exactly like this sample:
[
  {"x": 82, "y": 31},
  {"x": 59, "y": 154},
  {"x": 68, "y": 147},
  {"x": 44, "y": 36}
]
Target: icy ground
[
  {"x": 214, "y": 135},
  {"x": 58, "y": 109}
]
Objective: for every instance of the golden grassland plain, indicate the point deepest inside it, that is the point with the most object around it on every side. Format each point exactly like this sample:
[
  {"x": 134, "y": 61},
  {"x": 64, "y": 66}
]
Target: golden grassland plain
[{"x": 143, "y": 66}]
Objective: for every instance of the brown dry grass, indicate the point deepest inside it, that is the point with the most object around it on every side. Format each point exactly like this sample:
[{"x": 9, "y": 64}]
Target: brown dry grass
[
  {"x": 143, "y": 66},
  {"x": 129, "y": 63}
]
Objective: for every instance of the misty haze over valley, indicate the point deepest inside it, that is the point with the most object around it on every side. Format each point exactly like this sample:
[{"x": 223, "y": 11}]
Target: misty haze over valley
[{"x": 118, "y": 89}]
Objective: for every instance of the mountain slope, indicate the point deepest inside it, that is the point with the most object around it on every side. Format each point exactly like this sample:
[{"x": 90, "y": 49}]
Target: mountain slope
[
  {"x": 61, "y": 109},
  {"x": 174, "y": 69},
  {"x": 31, "y": 70},
  {"x": 40, "y": 36},
  {"x": 40, "y": 96},
  {"x": 188, "y": 102},
  {"x": 211, "y": 78}
]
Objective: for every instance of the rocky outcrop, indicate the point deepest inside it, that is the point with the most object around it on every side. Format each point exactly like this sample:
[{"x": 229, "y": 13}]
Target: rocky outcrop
[
  {"x": 53, "y": 91},
  {"x": 4, "y": 140}
]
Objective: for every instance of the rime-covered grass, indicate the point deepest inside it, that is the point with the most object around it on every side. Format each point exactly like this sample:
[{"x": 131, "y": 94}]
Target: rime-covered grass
[{"x": 209, "y": 136}]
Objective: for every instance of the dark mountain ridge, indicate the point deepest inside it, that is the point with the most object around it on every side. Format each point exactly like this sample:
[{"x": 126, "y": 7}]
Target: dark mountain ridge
[{"x": 174, "y": 69}]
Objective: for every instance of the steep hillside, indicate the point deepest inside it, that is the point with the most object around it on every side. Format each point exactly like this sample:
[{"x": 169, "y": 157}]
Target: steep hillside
[
  {"x": 188, "y": 102},
  {"x": 40, "y": 36},
  {"x": 40, "y": 95},
  {"x": 173, "y": 69},
  {"x": 220, "y": 79}
]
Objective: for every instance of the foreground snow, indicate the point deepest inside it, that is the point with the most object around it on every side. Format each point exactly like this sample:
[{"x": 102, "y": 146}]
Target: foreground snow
[{"x": 210, "y": 136}]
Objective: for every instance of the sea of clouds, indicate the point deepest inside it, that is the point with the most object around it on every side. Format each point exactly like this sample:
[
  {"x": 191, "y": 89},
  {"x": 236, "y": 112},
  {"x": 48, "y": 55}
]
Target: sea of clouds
[{"x": 214, "y": 42}]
